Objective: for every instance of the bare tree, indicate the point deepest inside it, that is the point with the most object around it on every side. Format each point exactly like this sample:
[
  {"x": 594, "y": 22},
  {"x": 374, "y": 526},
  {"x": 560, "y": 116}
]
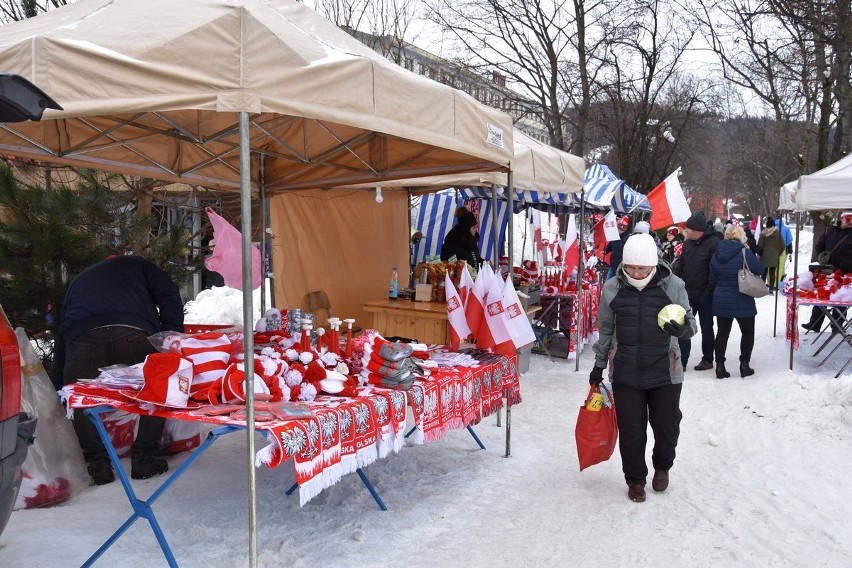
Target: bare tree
[{"x": 17, "y": 10}]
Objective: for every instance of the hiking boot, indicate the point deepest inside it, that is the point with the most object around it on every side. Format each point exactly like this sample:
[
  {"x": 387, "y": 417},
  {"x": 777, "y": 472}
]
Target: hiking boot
[
  {"x": 636, "y": 492},
  {"x": 703, "y": 365},
  {"x": 745, "y": 370},
  {"x": 144, "y": 466},
  {"x": 101, "y": 471},
  {"x": 721, "y": 371},
  {"x": 661, "y": 481}
]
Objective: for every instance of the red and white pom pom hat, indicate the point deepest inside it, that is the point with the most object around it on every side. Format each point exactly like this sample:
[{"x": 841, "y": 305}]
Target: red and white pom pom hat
[{"x": 167, "y": 380}]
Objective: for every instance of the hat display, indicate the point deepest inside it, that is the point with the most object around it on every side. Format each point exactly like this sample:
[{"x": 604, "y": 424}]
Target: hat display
[
  {"x": 209, "y": 353},
  {"x": 697, "y": 222},
  {"x": 167, "y": 379},
  {"x": 642, "y": 227},
  {"x": 640, "y": 250}
]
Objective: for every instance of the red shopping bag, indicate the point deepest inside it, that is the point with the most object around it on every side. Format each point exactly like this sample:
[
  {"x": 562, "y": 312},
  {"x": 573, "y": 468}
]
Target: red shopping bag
[{"x": 596, "y": 430}]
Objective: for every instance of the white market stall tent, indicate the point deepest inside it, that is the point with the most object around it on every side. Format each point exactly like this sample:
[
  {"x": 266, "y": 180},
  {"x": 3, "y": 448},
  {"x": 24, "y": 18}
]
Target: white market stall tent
[{"x": 255, "y": 96}]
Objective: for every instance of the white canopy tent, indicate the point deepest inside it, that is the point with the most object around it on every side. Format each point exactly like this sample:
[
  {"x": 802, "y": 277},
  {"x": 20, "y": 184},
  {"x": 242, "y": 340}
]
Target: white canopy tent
[{"x": 256, "y": 96}]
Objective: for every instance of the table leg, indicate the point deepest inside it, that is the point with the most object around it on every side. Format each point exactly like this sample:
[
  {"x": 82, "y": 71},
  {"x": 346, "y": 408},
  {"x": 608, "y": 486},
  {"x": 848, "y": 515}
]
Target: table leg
[{"x": 143, "y": 508}]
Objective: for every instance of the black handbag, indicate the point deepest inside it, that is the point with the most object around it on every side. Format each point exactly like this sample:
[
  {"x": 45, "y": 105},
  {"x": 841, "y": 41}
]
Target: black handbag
[{"x": 749, "y": 283}]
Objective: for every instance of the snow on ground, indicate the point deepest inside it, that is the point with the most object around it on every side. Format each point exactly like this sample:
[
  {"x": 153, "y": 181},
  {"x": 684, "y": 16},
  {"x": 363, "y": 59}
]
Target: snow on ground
[{"x": 761, "y": 479}]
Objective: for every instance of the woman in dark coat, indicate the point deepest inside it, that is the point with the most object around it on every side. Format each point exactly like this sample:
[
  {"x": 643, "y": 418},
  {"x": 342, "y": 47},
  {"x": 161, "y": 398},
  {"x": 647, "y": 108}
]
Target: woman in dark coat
[
  {"x": 771, "y": 244},
  {"x": 729, "y": 303},
  {"x": 462, "y": 241}
]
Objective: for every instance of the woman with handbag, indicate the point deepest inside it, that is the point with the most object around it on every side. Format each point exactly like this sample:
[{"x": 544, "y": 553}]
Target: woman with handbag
[{"x": 728, "y": 302}]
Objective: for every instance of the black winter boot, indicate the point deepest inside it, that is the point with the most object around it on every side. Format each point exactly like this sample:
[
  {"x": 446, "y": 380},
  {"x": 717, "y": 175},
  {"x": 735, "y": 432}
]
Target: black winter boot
[
  {"x": 745, "y": 370},
  {"x": 101, "y": 471},
  {"x": 721, "y": 372},
  {"x": 143, "y": 466}
]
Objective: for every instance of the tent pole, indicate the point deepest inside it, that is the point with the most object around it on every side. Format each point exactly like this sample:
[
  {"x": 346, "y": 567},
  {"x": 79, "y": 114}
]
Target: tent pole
[
  {"x": 795, "y": 278},
  {"x": 510, "y": 189},
  {"x": 495, "y": 231},
  {"x": 264, "y": 223},
  {"x": 580, "y": 265},
  {"x": 248, "y": 326}
]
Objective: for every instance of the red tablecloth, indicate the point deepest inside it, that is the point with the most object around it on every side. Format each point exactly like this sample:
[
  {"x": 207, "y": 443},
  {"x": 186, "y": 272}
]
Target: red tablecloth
[
  {"x": 792, "y": 331},
  {"x": 343, "y": 434}
]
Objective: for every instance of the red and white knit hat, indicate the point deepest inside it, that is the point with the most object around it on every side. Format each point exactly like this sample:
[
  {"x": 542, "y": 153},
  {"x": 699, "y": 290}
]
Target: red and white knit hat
[
  {"x": 167, "y": 380},
  {"x": 209, "y": 353}
]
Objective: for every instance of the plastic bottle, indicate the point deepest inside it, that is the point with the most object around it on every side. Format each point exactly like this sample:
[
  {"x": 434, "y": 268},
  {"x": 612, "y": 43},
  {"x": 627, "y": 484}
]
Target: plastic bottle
[{"x": 393, "y": 289}]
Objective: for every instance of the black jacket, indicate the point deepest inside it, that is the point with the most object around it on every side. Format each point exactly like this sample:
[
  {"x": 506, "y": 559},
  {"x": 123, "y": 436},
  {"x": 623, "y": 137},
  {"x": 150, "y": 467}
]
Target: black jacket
[
  {"x": 122, "y": 290},
  {"x": 841, "y": 257},
  {"x": 461, "y": 244},
  {"x": 693, "y": 265}
]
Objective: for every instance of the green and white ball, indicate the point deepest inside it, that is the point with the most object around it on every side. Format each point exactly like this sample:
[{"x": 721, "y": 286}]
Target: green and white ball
[{"x": 671, "y": 312}]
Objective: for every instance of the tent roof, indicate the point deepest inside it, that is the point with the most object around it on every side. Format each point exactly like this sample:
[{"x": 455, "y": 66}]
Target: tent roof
[
  {"x": 827, "y": 188},
  {"x": 155, "y": 89},
  {"x": 536, "y": 166},
  {"x": 787, "y": 196}
]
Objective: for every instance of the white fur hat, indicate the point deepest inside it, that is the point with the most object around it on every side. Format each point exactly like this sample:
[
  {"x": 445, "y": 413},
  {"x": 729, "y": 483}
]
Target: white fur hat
[
  {"x": 640, "y": 250},
  {"x": 642, "y": 227}
]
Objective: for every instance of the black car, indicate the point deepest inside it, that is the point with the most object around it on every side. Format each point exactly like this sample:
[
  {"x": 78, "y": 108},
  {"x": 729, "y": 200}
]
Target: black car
[{"x": 20, "y": 100}]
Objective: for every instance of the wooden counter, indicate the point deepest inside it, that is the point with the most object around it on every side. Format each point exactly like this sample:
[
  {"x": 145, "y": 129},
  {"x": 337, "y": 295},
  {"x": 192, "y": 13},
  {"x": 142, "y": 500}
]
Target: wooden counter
[{"x": 424, "y": 321}]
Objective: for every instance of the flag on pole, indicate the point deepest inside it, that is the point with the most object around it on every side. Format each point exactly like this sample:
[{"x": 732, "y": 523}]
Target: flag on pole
[
  {"x": 518, "y": 323},
  {"x": 668, "y": 203},
  {"x": 455, "y": 314},
  {"x": 536, "y": 224},
  {"x": 610, "y": 226},
  {"x": 495, "y": 314},
  {"x": 571, "y": 253},
  {"x": 465, "y": 284},
  {"x": 474, "y": 311}
]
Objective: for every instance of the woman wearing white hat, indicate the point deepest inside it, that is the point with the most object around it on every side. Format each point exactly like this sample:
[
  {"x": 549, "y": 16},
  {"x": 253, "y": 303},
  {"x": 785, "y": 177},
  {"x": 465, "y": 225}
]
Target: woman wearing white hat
[{"x": 646, "y": 371}]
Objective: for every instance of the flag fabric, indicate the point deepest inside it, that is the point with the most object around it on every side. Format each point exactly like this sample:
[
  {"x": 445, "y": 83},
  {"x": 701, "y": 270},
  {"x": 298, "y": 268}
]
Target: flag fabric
[
  {"x": 227, "y": 256},
  {"x": 465, "y": 285},
  {"x": 668, "y": 203},
  {"x": 536, "y": 224},
  {"x": 455, "y": 314},
  {"x": 518, "y": 323},
  {"x": 495, "y": 314},
  {"x": 571, "y": 252},
  {"x": 610, "y": 226},
  {"x": 474, "y": 311}
]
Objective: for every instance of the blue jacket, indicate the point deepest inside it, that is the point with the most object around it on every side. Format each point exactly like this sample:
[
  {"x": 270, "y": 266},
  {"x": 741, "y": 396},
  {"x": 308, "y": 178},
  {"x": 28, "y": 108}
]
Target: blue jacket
[{"x": 728, "y": 301}]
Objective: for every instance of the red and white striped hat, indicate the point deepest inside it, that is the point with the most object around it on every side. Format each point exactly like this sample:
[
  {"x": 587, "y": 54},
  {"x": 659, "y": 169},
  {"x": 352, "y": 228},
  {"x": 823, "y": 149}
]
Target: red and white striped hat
[
  {"x": 167, "y": 379},
  {"x": 209, "y": 353}
]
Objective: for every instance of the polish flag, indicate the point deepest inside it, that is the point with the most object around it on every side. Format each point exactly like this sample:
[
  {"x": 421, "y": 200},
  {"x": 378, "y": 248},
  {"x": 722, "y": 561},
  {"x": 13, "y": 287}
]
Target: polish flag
[
  {"x": 455, "y": 314},
  {"x": 465, "y": 284},
  {"x": 536, "y": 224},
  {"x": 474, "y": 311},
  {"x": 610, "y": 226},
  {"x": 571, "y": 254},
  {"x": 668, "y": 203},
  {"x": 495, "y": 314},
  {"x": 518, "y": 323}
]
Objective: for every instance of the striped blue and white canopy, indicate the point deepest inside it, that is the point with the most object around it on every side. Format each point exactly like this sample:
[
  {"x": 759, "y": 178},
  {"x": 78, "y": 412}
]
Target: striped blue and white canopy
[{"x": 604, "y": 189}]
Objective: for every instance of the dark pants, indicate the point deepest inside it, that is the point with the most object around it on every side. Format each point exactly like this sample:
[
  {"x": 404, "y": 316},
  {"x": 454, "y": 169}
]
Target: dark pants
[
  {"x": 772, "y": 276},
  {"x": 102, "y": 347},
  {"x": 702, "y": 309},
  {"x": 818, "y": 317},
  {"x": 636, "y": 408},
  {"x": 724, "y": 331}
]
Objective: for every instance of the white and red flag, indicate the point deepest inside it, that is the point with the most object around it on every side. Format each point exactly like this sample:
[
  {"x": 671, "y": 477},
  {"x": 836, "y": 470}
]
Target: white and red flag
[
  {"x": 474, "y": 310},
  {"x": 668, "y": 203},
  {"x": 517, "y": 321},
  {"x": 571, "y": 248},
  {"x": 495, "y": 314},
  {"x": 465, "y": 284},
  {"x": 455, "y": 314},
  {"x": 610, "y": 226},
  {"x": 536, "y": 225}
]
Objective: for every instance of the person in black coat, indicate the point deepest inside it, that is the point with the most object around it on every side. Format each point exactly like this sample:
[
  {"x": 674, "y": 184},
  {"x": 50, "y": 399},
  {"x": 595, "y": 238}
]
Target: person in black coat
[
  {"x": 110, "y": 310},
  {"x": 693, "y": 266},
  {"x": 729, "y": 303},
  {"x": 837, "y": 241},
  {"x": 462, "y": 241}
]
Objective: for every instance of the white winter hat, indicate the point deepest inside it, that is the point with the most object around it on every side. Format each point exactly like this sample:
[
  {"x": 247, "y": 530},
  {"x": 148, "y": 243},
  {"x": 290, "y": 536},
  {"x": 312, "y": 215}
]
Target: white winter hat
[
  {"x": 640, "y": 250},
  {"x": 642, "y": 227}
]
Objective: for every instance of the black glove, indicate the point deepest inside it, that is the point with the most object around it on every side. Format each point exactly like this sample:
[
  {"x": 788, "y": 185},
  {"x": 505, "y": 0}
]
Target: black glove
[
  {"x": 596, "y": 376},
  {"x": 789, "y": 250},
  {"x": 676, "y": 329}
]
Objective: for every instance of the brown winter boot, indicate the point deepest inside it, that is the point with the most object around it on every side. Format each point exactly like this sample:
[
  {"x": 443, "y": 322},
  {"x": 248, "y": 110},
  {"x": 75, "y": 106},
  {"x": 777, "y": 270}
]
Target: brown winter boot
[
  {"x": 636, "y": 492},
  {"x": 661, "y": 481}
]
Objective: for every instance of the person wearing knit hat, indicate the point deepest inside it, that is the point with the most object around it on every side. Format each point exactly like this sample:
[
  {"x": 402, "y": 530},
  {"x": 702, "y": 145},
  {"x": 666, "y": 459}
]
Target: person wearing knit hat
[
  {"x": 673, "y": 244},
  {"x": 771, "y": 245},
  {"x": 645, "y": 369},
  {"x": 693, "y": 266},
  {"x": 642, "y": 227},
  {"x": 462, "y": 241}
]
